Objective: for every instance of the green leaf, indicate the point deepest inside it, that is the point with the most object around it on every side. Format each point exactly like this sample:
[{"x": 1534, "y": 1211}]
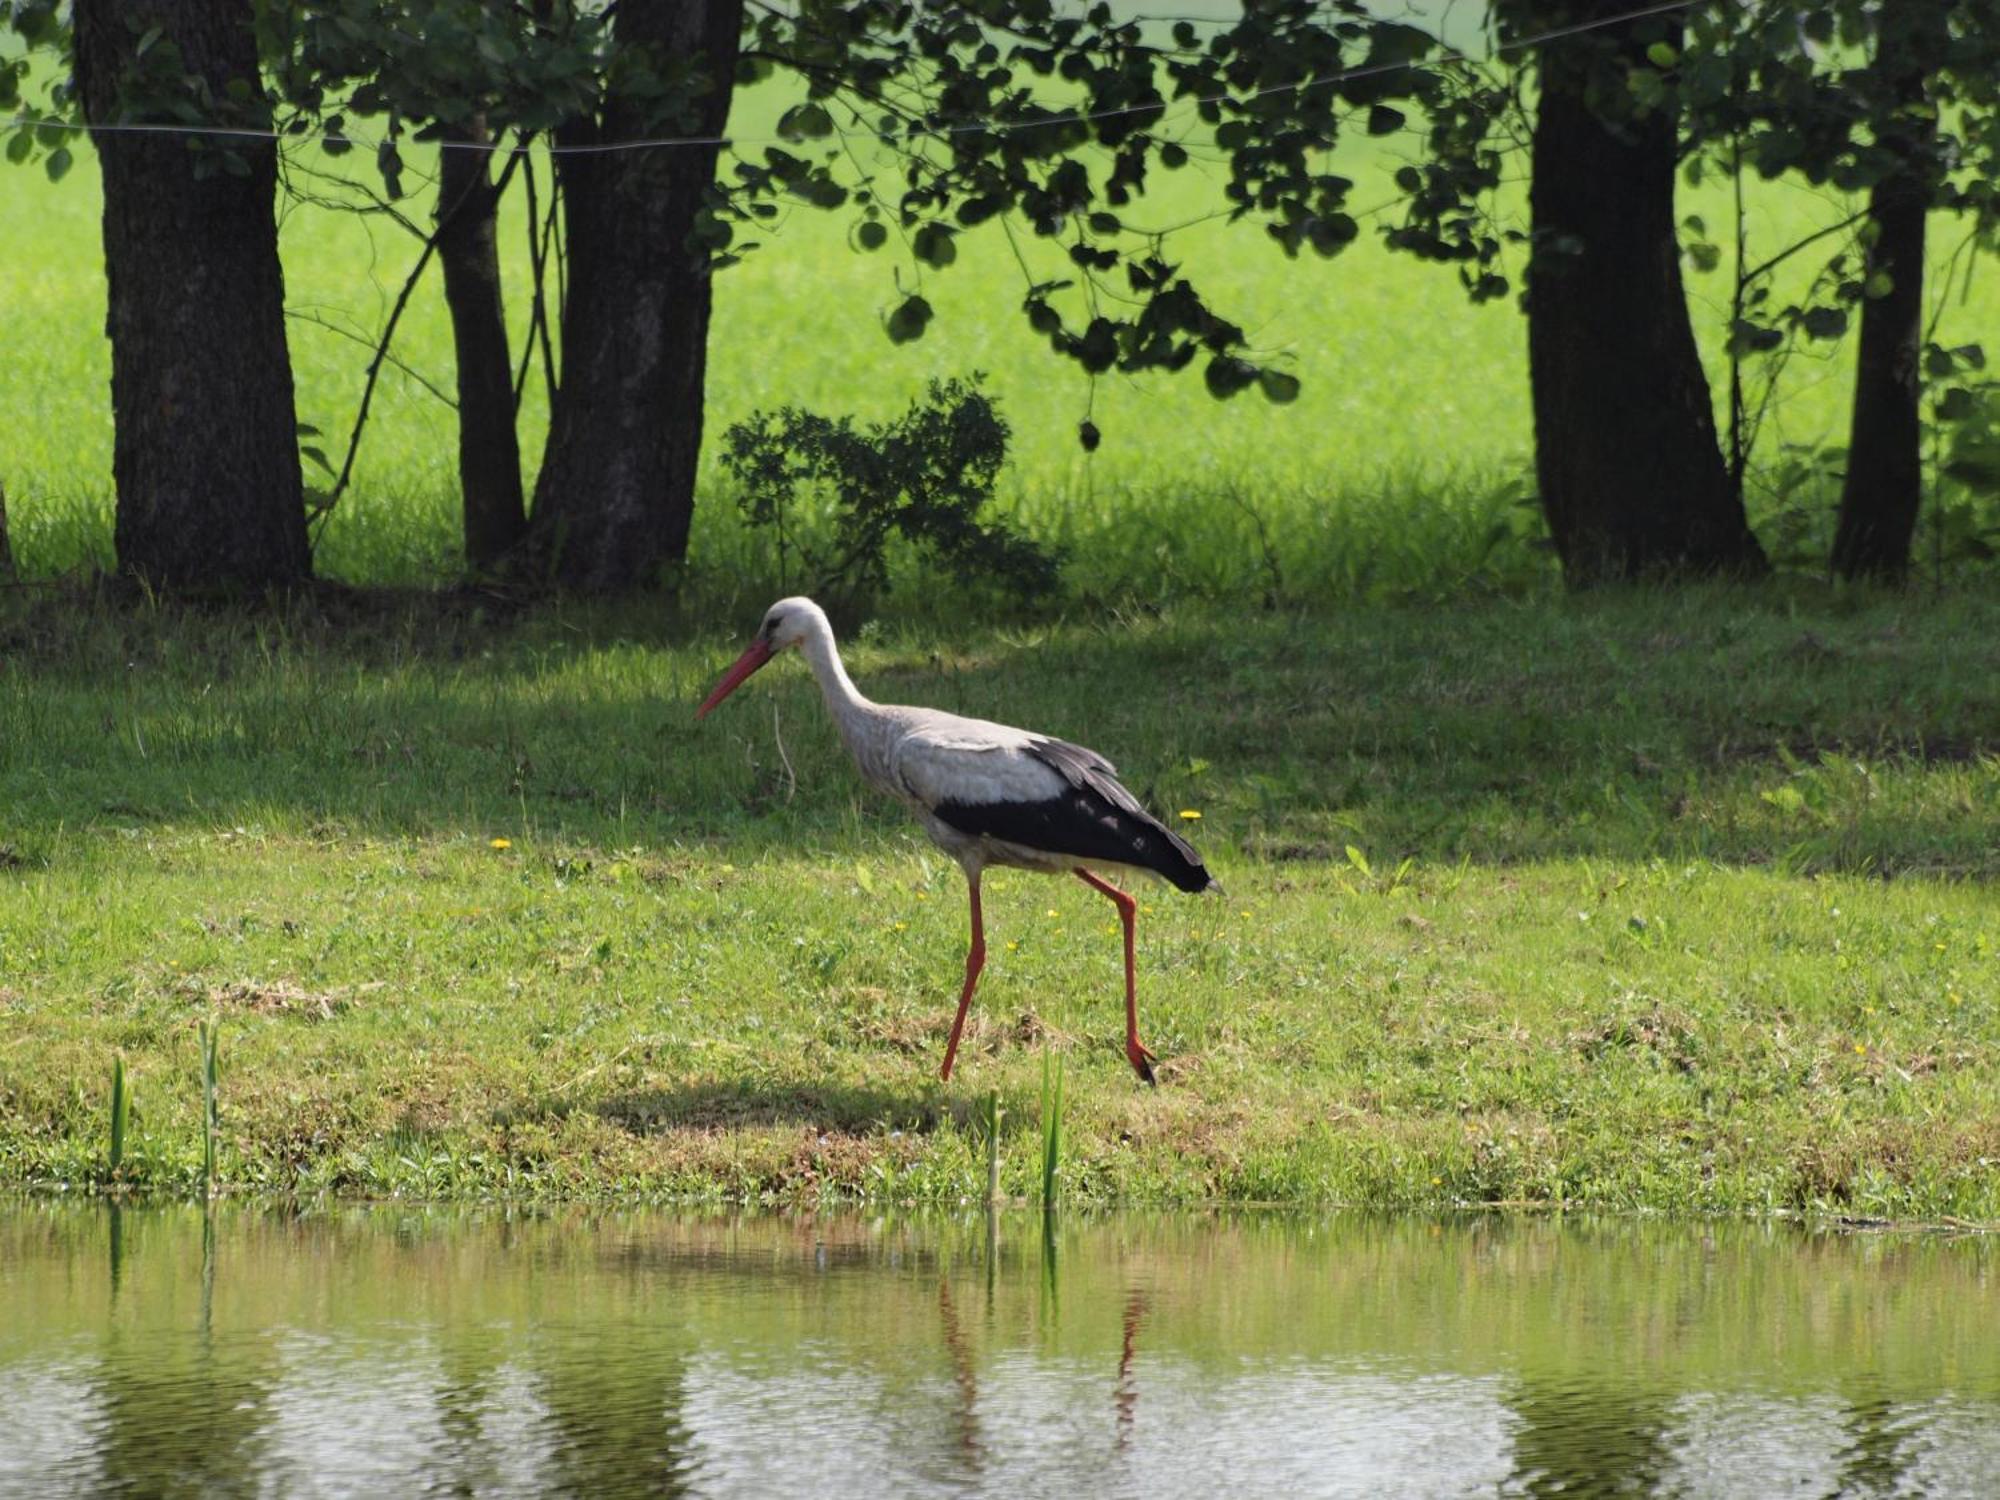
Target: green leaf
[
  {"x": 317, "y": 455},
  {"x": 1383, "y": 120},
  {"x": 1956, "y": 404},
  {"x": 389, "y": 162},
  {"x": 805, "y": 122},
  {"x": 907, "y": 323},
  {"x": 821, "y": 191},
  {"x": 1662, "y": 55},
  {"x": 1278, "y": 387},
  {"x": 1705, "y": 257},
  {"x": 871, "y": 235},
  {"x": 58, "y": 163},
  {"x": 1879, "y": 284},
  {"x": 933, "y": 244},
  {"x": 1088, "y": 435},
  {"x": 1330, "y": 232},
  {"x": 1824, "y": 322},
  {"x": 711, "y": 231},
  {"x": 1226, "y": 375},
  {"x": 19, "y": 145}
]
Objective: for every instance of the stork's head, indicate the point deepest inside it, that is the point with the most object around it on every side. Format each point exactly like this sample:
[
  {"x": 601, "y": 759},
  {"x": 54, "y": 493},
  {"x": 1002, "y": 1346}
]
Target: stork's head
[{"x": 787, "y": 623}]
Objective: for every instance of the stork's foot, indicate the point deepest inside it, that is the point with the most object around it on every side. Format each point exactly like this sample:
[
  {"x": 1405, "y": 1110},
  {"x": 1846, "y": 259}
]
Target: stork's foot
[{"x": 1142, "y": 1060}]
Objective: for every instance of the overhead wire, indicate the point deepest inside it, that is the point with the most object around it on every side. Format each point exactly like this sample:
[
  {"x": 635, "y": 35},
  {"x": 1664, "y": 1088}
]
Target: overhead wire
[{"x": 689, "y": 142}]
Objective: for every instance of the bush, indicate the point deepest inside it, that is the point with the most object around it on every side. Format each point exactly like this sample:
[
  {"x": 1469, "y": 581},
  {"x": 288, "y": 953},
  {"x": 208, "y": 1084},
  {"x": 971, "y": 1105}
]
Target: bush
[{"x": 925, "y": 476}]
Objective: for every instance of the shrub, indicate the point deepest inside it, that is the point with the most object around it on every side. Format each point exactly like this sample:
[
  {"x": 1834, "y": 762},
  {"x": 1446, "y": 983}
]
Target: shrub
[{"x": 925, "y": 476}]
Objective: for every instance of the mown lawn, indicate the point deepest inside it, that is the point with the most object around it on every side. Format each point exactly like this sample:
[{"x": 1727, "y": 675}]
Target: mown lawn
[{"x": 1643, "y": 902}]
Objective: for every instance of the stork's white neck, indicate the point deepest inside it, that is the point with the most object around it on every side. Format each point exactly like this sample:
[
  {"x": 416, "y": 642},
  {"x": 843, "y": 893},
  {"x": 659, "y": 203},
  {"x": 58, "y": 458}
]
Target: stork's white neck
[{"x": 843, "y": 699}]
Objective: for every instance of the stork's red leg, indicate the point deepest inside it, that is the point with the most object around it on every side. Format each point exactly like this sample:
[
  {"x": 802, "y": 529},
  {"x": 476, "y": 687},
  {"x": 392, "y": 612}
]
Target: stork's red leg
[
  {"x": 1128, "y": 913},
  {"x": 975, "y": 960}
]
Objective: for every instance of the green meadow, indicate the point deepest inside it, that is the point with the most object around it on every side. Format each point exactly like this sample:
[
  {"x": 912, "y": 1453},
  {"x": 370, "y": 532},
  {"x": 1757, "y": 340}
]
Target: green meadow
[{"x": 1665, "y": 903}]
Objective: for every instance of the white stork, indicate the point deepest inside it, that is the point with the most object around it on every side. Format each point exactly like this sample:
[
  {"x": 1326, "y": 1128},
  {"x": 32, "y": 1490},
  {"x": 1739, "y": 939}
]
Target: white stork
[{"x": 987, "y": 794}]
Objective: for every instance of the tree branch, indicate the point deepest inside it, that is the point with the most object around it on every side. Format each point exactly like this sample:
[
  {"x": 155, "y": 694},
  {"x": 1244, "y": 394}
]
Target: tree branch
[{"x": 320, "y": 511}]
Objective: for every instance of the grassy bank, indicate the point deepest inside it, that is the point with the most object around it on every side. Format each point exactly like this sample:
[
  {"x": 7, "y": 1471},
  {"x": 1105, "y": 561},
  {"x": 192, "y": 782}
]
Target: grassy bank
[{"x": 1669, "y": 903}]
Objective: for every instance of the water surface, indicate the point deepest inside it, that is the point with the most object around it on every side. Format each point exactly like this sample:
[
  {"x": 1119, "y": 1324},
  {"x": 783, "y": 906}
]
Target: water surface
[{"x": 384, "y": 1351}]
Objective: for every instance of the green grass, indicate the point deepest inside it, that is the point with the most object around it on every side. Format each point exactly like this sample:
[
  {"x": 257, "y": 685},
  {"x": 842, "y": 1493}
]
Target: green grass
[
  {"x": 1675, "y": 903},
  {"x": 1410, "y": 446}
]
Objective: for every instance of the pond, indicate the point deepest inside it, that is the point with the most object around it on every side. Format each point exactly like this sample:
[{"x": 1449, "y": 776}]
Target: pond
[{"x": 396, "y": 1351}]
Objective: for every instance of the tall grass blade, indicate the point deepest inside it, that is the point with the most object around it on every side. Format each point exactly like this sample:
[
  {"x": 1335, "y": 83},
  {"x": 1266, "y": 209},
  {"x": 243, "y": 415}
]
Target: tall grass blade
[
  {"x": 121, "y": 1105},
  {"x": 210, "y": 1034},
  {"x": 993, "y": 1113},
  {"x": 1052, "y": 1103}
]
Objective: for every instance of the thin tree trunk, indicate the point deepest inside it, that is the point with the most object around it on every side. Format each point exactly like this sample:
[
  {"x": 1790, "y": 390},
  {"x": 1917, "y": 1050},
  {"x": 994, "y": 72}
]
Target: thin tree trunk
[
  {"x": 6, "y": 549},
  {"x": 1884, "y": 484},
  {"x": 615, "y": 495},
  {"x": 205, "y": 445},
  {"x": 1626, "y": 453},
  {"x": 1883, "y": 488},
  {"x": 489, "y": 451}
]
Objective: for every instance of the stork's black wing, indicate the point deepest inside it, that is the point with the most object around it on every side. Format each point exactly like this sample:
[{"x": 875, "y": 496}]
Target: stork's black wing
[{"x": 1093, "y": 818}]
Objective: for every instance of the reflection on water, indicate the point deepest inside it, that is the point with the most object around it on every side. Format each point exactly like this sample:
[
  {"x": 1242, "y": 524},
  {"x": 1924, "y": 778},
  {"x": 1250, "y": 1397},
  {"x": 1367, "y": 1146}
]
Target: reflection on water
[{"x": 388, "y": 1351}]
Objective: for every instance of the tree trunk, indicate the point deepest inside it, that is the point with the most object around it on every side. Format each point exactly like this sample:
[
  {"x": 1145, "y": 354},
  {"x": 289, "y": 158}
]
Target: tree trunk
[
  {"x": 1883, "y": 488},
  {"x": 616, "y": 490},
  {"x": 205, "y": 444},
  {"x": 1631, "y": 473},
  {"x": 1884, "y": 483},
  {"x": 6, "y": 548},
  {"x": 489, "y": 451}
]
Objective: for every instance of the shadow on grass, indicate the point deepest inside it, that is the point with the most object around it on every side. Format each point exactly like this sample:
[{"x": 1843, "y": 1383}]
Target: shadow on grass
[
  {"x": 719, "y": 1104},
  {"x": 1710, "y": 723}
]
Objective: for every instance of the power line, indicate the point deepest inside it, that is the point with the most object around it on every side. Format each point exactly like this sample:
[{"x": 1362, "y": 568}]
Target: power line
[{"x": 658, "y": 143}]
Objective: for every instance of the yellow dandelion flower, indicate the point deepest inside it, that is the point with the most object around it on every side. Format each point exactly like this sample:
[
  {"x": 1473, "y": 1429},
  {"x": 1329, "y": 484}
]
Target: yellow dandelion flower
[
  {"x": 1189, "y": 815},
  {"x": 500, "y": 843},
  {"x": 1860, "y": 1050},
  {"x": 1052, "y": 912}
]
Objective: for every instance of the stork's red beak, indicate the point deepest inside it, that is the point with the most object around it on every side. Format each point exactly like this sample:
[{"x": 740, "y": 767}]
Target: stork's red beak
[{"x": 754, "y": 656}]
